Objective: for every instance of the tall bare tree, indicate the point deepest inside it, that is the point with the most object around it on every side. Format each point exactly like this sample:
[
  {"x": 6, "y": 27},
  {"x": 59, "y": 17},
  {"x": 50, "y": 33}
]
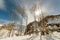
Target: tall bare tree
[
  {"x": 32, "y": 9},
  {"x": 21, "y": 12}
]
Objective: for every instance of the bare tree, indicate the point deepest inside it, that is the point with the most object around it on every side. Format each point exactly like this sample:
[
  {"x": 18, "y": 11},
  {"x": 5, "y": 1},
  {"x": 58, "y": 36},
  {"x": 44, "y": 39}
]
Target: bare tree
[
  {"x": 21, "y": 12},
  {"x": 32, "y": 9}
]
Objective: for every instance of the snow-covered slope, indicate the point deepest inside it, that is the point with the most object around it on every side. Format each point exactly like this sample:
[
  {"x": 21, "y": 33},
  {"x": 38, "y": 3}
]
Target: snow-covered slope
[
  {"x": 54, "y": 36},
  {"x": 17, "y": 38}
]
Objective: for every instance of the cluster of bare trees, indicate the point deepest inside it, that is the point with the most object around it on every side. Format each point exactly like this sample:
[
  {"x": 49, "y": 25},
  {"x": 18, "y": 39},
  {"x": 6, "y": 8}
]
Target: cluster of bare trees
[
  {"x": 21, "y": 11},
  {"x": 42, "y": 20}
]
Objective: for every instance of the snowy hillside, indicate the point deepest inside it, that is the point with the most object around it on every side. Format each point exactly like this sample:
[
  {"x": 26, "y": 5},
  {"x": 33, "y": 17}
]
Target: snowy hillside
[{"x": 54, "y": 36}]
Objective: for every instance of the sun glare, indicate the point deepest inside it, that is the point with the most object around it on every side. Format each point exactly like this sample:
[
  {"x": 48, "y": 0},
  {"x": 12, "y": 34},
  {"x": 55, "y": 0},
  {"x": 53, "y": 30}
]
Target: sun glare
[{"x": 37, "y": 12}]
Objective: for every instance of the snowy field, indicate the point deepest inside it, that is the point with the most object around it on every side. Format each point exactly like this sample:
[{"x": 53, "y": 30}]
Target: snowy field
[{"x": 54, "y": 36}]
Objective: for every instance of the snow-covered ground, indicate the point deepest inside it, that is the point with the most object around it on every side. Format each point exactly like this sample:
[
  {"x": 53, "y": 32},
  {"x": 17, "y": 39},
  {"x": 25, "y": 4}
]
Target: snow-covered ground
[
  {"x": 17, "y": 38},
  {"x": 4, "y": 35},
  {"x": 54, "y": 36}
]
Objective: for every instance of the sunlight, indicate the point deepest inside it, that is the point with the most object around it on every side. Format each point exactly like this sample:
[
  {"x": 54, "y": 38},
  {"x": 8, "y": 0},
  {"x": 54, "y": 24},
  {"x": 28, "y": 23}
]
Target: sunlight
[{"x": 38, "y": 12}]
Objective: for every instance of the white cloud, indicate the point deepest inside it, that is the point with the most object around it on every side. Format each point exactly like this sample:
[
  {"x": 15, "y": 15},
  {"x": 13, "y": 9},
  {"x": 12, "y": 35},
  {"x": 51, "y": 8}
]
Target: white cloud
[{"x": 2, "y": 5}]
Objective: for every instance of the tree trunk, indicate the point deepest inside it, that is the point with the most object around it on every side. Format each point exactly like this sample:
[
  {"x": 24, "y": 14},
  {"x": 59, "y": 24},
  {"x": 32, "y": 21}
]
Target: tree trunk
[{"x": 20, "y": 29}]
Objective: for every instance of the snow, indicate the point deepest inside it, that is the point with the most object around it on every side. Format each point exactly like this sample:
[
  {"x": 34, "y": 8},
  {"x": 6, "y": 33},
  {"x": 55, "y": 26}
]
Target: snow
[
  {"x": 1, "y": 24},
  {"x": 17, "y": 38},
  {"x": 56, "y": 35},
  {"x": 4, "y": 35}
]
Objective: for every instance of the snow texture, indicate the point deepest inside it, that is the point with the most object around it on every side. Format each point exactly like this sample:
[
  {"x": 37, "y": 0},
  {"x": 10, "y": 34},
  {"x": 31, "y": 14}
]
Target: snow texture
[{"x": 54, "y": 36}]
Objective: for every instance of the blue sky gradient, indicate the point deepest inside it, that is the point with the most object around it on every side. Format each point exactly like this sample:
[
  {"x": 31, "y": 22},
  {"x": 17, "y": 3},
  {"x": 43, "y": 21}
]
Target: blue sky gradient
[
  {"x": 7, "y": 11},
  {"x": 54, "y": 7}
]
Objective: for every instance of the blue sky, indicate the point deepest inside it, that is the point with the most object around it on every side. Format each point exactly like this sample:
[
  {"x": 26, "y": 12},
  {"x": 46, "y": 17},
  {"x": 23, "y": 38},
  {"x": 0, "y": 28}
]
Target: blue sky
[
  {"x": 6, "y": 7},
  {"x": 6, "y": 10}
]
